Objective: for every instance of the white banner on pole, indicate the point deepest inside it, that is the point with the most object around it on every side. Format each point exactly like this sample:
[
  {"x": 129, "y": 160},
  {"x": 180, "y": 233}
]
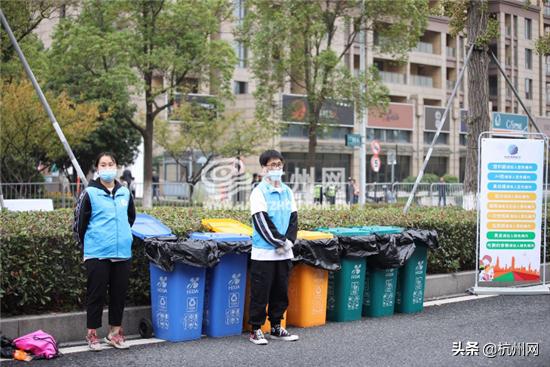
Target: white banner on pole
[{"x": 510, "y": 212}]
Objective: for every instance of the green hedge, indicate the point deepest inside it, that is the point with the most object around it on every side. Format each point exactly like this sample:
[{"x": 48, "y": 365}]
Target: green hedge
[{"x": 42, "y": 267}]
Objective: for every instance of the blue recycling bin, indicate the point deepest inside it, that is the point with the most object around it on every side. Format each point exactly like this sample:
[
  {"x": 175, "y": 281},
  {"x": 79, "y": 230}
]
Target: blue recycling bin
[
  {"x": 225, "y": 289},
  {"x": 177, "y": 297}
]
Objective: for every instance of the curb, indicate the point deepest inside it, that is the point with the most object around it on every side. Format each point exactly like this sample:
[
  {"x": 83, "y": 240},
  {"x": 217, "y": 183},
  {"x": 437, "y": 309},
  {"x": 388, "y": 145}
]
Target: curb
[{"x": 71, "y": 327}]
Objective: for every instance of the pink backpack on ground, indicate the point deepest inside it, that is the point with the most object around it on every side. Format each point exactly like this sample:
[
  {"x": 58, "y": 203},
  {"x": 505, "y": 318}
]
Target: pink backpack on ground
[{"x": 39, "y": 343}]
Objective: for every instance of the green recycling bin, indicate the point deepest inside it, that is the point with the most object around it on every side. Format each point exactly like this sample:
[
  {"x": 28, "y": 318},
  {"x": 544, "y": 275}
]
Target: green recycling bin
[
  {"x": 411, "y": 282},
  {"x": 345, "y": 290},
  {"x": 377, "y": 289},
  {"x": 380, "y": 288}
]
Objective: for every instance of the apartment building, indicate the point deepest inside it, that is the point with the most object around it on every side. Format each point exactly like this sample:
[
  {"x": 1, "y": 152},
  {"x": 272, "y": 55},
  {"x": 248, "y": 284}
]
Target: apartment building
[{"x": 418, "y": 89}]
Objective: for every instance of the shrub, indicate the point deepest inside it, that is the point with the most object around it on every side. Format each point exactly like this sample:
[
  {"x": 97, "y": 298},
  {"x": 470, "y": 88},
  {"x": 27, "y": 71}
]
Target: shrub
[{"x": 42, "y": 266}]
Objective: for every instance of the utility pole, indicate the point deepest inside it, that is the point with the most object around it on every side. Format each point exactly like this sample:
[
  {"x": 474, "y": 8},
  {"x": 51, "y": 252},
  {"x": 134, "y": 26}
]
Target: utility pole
[{"x": 363, "y": 125}]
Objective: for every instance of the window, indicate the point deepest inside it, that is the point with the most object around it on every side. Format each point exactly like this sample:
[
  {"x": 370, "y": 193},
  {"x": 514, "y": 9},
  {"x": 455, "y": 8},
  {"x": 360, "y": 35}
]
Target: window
[
  {"x": 528, "y": 88},
  {"x": 327, "y": 133},
  {"x": 241, "y": 87},
  {"x": 389, "y": 136},
  {"x": 528, "y": 59},
  {"x": 242, "y": 54},
  {"x": 239, "y": 9},
  {"x": 437, "y": 165},
  {"x": 463, "y": 139},
  {"x": 528, "y": 28},
  {"x": 442, "y": 139}
]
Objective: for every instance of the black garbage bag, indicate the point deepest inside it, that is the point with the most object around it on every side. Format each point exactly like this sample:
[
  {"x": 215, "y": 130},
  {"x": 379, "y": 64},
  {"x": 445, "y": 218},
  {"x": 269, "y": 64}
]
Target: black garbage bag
[
  {"x": 159, "y": 251},
  {"x": 323, "y": 253},
  {"x": 393, "y": 251},
  {"x": 166, "y": 251},
  {"x": 358, "y": 246},
  {"x": 240, "y": 247},
  {"x": 425, "y": 237}
]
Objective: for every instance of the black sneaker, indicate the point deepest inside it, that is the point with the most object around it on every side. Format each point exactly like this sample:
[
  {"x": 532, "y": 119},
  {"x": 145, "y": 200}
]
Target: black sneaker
[
  {"x": 257, "y": 337},
  {"x": 280, "y": 333}
]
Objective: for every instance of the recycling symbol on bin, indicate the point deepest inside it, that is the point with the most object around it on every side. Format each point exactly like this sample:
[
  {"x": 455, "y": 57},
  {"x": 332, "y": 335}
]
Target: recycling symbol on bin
[
  {"x": 356, "y": 270},
  {"x": 163, "y": 281},
  {"x": 193, "y": 283},
  {"x": 235, "y": 279}
]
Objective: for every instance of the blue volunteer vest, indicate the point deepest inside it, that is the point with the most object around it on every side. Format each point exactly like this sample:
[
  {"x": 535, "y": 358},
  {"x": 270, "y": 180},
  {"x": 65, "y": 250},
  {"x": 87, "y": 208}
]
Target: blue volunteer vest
[
  {"x": 279, "y": 208},
  {"x": 109, "y": 234}
]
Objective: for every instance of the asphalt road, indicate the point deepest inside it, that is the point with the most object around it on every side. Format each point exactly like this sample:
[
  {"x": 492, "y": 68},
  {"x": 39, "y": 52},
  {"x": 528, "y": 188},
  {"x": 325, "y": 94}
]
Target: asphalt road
[{"x": 424, "y": 339}]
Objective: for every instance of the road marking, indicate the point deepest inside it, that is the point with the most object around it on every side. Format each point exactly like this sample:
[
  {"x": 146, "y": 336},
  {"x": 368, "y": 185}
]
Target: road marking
[
  {"x": 455, "y": 299},
  {"x": 84, "y": 348}
]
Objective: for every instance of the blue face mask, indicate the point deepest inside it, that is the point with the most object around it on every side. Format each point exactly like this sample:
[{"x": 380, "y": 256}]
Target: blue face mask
[
  {"x": 275, "y": 175},
  {"x": 107, "y": 175}
]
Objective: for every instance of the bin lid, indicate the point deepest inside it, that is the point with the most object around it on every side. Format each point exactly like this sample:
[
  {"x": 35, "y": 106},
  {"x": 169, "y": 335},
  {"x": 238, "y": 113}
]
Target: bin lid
[
  {"x": 314, "y": 235},
  {"x": 226, "y": 237},
  {"x": 148, "y": 226},
  {"x": 361, "y": 231},
  {"x": 226, "y": 225}
]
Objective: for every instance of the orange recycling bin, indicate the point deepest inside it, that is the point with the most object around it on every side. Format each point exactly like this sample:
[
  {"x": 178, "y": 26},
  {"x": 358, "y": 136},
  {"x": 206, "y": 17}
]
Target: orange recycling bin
[
  {"x": 266, "y": 327},
  {"x": 307, "y": 296},
  {"x": 307, "y": 290}
]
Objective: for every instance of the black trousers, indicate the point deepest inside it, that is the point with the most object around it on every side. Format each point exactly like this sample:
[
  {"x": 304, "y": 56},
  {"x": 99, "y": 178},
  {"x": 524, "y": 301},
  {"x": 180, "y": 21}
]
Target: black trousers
[
  {"x": 268, "y": 285},
  {"x": 103, "y": 275}
]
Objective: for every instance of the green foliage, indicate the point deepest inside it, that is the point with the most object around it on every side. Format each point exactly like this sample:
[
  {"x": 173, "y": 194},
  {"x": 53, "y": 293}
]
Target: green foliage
[
  {"x": 450, "y": 179},
  {"x": 543, "y": 45},
  {"x": 457, "y": 11},
  {"x": 301, "y": 41},
  {"x": 42, "y": 266},
  {"x": 115, "y": 50},
  {"x": 426, "y": 178},
  {"x": 28, "y": 139}
]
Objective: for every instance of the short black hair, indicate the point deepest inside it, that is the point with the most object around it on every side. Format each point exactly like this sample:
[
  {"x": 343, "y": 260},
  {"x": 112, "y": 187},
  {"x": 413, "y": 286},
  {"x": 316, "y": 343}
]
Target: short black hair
[
  {"x": 105, "y": 154},
  {"x": 270, "y": 154}
]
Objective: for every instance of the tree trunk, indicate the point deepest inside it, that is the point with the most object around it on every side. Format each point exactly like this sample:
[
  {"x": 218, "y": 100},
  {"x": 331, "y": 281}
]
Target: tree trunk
[
  {"x": 478, "y": 97},
  {"x": 148, "y": 145}
]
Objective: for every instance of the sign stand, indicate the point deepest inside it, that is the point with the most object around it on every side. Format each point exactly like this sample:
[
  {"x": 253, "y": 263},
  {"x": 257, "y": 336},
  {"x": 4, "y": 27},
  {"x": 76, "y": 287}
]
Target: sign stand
[{"x": 511, "y": 192}]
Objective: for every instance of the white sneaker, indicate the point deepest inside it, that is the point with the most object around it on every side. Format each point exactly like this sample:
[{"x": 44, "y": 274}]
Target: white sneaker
[
  {"x": 117, "y": 340},
  {"x": 280, "y": 333},
  {"x": 93, "y": 342},
  {"x": 257, "y": 337}
]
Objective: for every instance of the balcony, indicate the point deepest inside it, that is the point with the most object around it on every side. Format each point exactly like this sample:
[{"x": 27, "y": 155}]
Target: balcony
[
  {"x": 391, "y": 77},
  {"x": 451, "y": 52},
  {"x": 422, "y": 81},
  {"x": 423, "y": 47}
]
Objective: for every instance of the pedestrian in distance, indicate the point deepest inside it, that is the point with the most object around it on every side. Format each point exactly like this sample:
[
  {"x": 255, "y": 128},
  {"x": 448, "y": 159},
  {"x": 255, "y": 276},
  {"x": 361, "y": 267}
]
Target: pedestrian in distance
[
  {"x": 442, "y": 187},
  {"x": 156, "y": 183},
  {"x": 275, "y": 221},
  {"x": 104, "y": 215}
]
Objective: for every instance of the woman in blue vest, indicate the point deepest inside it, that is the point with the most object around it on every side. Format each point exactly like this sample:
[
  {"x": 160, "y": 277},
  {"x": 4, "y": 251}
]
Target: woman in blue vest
[
  {"x": 104, "y": 215},
  {"x": 275, "y": 219}
]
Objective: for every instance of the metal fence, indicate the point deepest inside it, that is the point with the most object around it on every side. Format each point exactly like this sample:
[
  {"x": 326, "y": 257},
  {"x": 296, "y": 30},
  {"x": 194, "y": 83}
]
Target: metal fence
[{"x": 65, "y": 195}]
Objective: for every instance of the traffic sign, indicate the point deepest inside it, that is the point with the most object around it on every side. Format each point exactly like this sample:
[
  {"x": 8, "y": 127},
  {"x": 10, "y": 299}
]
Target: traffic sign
[
  {"x": 391, "y": 157},
  {"x": 375, "y": 146},
  {"x": 353, "y": 140},
  {"x": 375, "y": 163},
  {"x": 509, "y": 122}
]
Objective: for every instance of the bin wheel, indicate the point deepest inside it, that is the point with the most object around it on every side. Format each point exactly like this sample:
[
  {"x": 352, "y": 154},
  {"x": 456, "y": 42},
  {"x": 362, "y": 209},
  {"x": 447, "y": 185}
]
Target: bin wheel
[{"x": 145, "y": 328}]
